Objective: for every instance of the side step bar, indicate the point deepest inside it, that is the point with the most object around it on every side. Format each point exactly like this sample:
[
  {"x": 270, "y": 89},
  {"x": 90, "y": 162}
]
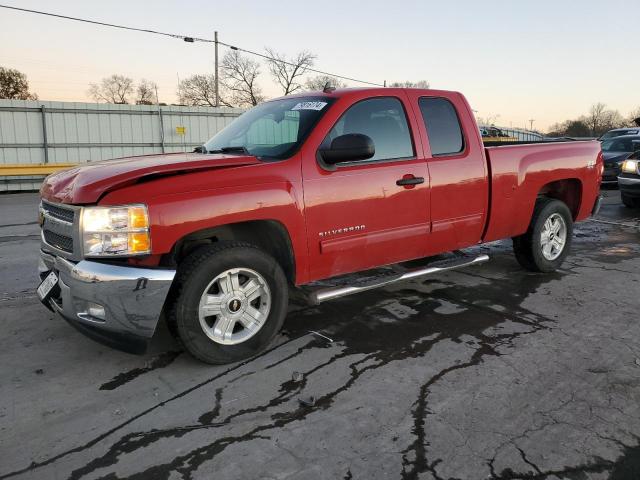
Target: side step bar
[{"x": 325, "y": 294}]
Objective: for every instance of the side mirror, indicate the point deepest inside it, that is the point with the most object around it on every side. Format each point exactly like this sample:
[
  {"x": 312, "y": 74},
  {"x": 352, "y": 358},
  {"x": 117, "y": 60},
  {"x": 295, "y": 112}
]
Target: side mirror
[
  {"x": 200, "y": 149},
  {"x": 348, "y": 148}
]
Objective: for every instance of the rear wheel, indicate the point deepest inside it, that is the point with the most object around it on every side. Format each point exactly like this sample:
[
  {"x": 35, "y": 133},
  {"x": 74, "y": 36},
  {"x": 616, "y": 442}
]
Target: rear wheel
[
  {"x": 232, "y": 301},
  {"x": 630, "y": 202},
  {"x": 546, "y": 243}
]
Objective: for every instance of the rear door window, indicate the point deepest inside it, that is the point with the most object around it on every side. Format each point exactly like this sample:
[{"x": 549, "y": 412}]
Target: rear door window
[{"x": 443, "y": 126}]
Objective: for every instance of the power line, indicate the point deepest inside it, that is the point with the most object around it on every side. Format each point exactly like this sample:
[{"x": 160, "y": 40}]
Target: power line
[
  {"x": 186, "y": 38},
  {"x": 294, "y": 65},
  {"x": 95, "y": 22}
]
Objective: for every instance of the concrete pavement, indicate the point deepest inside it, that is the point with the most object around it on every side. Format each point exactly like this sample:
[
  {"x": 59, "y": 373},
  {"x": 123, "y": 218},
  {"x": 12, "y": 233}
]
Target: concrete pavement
[{"x": 489, "y": 372}]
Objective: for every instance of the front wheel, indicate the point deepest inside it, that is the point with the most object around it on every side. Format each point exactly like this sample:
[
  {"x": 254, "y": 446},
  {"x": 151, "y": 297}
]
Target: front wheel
[
  {"x": 232, "y": 301},
  {"x": 546, "y": 243}
]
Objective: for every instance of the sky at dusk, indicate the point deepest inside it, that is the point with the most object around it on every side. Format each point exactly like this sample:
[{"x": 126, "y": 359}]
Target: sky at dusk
[{"x": 542, "y": 60}]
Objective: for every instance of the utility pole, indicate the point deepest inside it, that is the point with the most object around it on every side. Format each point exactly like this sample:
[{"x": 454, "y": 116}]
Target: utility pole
[
  {"x": 161, "y": 121},
  {"x": 215, "y": 39},
  {"x": 531, "y": 120}
]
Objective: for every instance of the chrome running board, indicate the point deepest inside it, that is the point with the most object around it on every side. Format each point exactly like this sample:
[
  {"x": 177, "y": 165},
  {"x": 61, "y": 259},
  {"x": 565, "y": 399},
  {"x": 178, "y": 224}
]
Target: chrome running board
[{"x": 330, "y": 293}]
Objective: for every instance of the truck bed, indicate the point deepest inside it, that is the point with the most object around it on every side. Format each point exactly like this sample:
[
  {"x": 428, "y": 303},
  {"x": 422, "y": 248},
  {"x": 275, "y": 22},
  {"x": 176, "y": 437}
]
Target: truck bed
[
  {"x": 519, "y": 172},
  {"x": 498, "y": 143}
]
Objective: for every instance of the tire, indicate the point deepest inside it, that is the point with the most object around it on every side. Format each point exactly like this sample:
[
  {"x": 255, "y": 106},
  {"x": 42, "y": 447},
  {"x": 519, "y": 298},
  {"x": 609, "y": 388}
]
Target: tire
[
  {"x": 630, "y": 202},
  {"x": 228, "y": 335},
  {"x": 532, "y": 250}
]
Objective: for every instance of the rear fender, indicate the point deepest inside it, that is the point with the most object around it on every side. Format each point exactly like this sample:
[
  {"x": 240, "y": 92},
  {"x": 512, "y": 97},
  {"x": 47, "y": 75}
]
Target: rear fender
[{"x": 520, "y": 174}]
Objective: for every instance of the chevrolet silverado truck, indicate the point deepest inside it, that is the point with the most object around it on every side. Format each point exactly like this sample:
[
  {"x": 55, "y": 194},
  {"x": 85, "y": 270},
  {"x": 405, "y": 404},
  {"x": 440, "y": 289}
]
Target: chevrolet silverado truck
[{"x": 297, "y": 190}]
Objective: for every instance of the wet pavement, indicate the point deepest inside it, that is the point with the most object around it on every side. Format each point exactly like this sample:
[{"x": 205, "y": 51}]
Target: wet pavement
[{"x": 488, "y": 372}]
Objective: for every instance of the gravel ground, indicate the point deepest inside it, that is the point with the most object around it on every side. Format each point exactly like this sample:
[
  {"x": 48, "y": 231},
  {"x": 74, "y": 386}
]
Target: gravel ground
[{"x": 489, "y": 372}]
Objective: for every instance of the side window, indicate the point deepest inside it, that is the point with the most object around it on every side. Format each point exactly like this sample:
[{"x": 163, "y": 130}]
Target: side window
[
  {"x": 382, "y": 119},
  {"x": 443, "y": 126}
]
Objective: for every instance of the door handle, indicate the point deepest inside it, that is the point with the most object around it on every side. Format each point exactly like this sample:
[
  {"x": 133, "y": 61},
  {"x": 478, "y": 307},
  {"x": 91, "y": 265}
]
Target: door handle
[{"x": 410, "y": 181}]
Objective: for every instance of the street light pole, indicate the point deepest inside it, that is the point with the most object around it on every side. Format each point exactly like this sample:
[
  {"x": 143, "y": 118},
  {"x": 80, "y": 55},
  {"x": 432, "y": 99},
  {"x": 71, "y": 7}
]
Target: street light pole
[
  {"x": 215, "y": 39},
  {"x": 531, "y": 120}
]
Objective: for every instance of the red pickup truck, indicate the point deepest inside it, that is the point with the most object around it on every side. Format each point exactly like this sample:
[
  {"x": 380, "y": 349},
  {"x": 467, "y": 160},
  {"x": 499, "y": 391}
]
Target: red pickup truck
[{"x": 297, "y": 189}]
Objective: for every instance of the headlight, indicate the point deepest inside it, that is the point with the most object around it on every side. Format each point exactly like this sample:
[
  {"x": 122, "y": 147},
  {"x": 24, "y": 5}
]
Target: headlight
[
  {"x": 120, "y": 231},
  {"x": 630, "y": 166}
]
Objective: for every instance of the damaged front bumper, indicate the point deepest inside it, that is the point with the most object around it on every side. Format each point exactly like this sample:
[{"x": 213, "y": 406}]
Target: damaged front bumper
[{"x": 116, "y": 305}]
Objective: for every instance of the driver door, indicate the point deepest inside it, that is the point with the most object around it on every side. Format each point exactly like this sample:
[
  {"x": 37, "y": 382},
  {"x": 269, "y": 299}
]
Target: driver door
[{"x": 364, "y": 214}]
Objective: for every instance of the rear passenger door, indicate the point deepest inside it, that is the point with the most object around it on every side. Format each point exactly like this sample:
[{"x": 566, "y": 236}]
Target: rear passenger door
[
  {"x": 459, "y": 181},
  {"x": 358, "y": 215}
]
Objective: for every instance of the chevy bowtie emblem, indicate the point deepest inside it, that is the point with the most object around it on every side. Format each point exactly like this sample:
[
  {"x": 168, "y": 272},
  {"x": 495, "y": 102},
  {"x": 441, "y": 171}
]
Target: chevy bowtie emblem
[{"x": 234, "y": 305}]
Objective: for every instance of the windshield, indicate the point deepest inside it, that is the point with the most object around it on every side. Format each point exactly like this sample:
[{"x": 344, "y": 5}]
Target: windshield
[
  {"x": 618, "y": 133},
  {"x": 272, "y": 129},
  {"x": 618, "y": 145}
]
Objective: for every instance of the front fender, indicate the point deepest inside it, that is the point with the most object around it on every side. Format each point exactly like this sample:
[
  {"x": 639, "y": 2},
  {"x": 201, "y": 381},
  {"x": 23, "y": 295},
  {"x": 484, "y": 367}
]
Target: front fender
[{"x": 173, "y": 216}]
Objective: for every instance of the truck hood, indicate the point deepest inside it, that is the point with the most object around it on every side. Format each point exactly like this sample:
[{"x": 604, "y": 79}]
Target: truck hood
[
  {"x": 87, "y": 183},
  {"x": 615, "y": 156}
]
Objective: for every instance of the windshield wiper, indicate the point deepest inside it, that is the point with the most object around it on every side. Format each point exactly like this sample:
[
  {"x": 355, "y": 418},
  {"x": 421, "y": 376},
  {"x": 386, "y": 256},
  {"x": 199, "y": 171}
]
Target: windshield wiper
[{"x": 238, "y": 149}]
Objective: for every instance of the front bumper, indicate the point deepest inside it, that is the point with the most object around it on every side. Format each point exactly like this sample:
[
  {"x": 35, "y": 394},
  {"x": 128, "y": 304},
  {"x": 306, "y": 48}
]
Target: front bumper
[
  {"x": 629, "y": 185},
  {"x": 132, "y": 299},
  {"x": 610, "y": 176}
]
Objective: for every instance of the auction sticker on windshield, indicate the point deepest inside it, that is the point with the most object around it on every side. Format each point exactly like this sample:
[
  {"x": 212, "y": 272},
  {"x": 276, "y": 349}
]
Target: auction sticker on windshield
[{"x": 309, "y": 106}]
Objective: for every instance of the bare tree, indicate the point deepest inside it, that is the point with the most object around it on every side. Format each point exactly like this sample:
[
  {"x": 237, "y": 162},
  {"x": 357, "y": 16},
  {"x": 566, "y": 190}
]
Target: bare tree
[
  {"x": 569, "y": 128},
  {"x": 146, "y": 92},
  {"x": 633, "y": 120},
  {"x": 319, "y": 81},
  {"x": 595, "y": 117},
  {"x": 287, "y": 74},
  {"x": 410, "y": 84},
  {"x": 240, "y": 74},
  {"x": 488, "y": 120},
  {"x": 113, "y": 89},
  {"x": 14, "y": 85},
  {"x": 200, "y": 90},
  {"x": 599, "y": 120}
]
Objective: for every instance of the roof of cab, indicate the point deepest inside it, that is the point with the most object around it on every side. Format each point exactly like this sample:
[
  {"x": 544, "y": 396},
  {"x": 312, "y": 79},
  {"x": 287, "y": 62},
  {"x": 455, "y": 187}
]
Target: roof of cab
[{"x": 343, "y": 92}]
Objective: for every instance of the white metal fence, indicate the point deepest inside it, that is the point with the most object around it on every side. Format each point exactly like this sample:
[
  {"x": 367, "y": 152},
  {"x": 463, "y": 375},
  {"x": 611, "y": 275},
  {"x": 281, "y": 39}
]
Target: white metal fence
[{"x": 38, "y": 132}]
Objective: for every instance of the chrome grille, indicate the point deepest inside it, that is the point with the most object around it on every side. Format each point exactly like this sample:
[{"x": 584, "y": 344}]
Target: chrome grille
[
  {"x": 62, "y": 242},
  {"x": 60, "y": 213},
  {"x": 60, "y": 229}
]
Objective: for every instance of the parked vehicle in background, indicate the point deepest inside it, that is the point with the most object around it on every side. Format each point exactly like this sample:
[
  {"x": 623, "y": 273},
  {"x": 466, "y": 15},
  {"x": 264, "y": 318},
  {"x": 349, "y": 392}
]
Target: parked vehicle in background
[
  {"x": 494, "y": 134},
  {"x": 615, "y": 151},
  {"x": 618, "y": 132},
  {"x": 298, "y": 189},
  {"x": 629, "y": 181}
]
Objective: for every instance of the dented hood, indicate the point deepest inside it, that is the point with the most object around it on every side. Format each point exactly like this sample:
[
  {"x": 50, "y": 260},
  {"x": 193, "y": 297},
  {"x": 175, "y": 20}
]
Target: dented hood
[{"x": 87, "y": 183}]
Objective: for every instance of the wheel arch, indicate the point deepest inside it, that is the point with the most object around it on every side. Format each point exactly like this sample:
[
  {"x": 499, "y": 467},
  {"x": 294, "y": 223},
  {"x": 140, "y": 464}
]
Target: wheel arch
[
  {"x": 271, "y": 236},
  {"x": 567, "y": 190}
]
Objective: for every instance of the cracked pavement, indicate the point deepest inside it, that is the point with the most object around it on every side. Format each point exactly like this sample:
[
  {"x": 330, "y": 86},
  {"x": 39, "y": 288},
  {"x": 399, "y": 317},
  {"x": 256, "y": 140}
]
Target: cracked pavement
[{"x": 488, "y": 372}]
